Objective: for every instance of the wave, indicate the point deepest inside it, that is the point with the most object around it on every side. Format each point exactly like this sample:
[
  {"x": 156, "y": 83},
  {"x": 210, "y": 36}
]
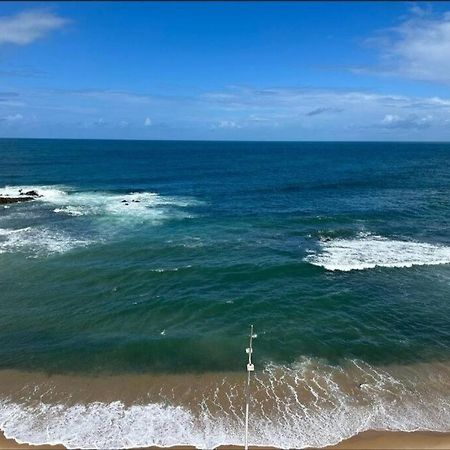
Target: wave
[
  {"x": 370, "y": 251},
  {"x": 108, "y": 213},
  {"x": 144, "y": 205},
  {"x": 311, "y": 404},
  {"x": 46, "y": 192},
  {"x": 38, "y": 241}
]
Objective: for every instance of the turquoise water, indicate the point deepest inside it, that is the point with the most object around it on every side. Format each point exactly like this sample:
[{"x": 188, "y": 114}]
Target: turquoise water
[{"x": 154, "y": 257}]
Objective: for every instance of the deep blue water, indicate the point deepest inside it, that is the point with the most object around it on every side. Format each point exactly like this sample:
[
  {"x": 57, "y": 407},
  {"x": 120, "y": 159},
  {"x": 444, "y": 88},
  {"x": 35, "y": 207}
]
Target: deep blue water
[{"x": 156, "y": 256}]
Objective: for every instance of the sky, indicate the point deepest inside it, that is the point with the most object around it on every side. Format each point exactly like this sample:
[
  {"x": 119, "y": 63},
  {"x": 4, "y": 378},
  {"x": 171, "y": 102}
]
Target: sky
[{"x": 226, "y": 70}]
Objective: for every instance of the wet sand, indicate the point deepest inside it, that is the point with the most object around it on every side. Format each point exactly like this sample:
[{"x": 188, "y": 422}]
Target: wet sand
[
  {"x": 6, "y": 444},
  {"x": 390, "y": 440},
  {"x": 421, "y": 398},
  {"x": 368, "y": 440}
]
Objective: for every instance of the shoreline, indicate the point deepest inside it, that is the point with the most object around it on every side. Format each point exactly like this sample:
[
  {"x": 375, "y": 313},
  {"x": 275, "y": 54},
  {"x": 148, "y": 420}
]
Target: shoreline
[
  {"x": 367, "y": 440},
  {"x": 169, "y": 409}
]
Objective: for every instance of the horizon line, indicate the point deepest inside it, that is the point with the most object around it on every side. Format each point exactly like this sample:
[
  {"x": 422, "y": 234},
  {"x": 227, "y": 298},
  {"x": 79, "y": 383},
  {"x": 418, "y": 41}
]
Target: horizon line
[{"x": 226, "y": 140}]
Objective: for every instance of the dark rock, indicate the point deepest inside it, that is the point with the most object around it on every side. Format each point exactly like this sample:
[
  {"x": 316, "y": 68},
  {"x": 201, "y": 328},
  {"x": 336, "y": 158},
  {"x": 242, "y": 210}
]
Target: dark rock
[
  {"x": 123, "y": 201},
  {"x": 6, "y": 200},
  {"x": 32, "y": 194},
  {"x": 136, "y": 201}
]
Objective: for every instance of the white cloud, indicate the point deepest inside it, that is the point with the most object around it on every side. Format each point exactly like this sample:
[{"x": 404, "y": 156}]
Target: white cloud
[
  {"x": 228, "y": 124},
  {"x": 99, "y": 122},
  {"x": 390, "y": 118},
  {"x": 255, "y": 113},
  {"x": 296, "y": 103},
  {"x": 13, "y": 118},
  {"x": 327, "y": 111},
  {"x": 26, "y": 27},
  {"x": 419, "y": 48},
  {"x": 439, "y": 101},
  {"x": 412, "y": 121}
]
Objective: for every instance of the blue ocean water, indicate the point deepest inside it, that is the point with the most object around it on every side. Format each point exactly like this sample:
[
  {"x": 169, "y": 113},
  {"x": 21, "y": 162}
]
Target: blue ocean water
[{"x": 154, "y": 257}]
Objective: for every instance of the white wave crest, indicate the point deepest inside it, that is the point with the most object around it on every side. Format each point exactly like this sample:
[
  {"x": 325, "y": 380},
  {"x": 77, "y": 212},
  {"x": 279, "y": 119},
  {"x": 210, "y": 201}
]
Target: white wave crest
[
  {"x": 315, "y": 405},
  {"x": 368, "y": 252},
  {"x": 109, "y": 214},
  {"x": 141, "y": 205},
  {"x": 46, "y": 193},
  {"x": 38, "y": 241}
]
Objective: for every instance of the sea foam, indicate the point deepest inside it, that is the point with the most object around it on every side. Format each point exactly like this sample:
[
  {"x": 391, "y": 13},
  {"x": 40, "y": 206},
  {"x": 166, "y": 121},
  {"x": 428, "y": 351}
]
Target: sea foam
[
  {"x": 369, "y": 251},
  {"x": 38, "y": 241},
  {"x": 108, "y": 213},
  {"x": 143, "y": 205},
  {"x": 313, "y": 405}
]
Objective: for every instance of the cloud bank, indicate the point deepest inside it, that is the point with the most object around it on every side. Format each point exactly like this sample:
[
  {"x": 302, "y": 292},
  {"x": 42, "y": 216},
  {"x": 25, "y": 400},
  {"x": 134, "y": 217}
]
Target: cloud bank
[
  {"x": 26, "y": 27},
  {"x": 235, "y": 112},
  {"x": 418, "y": 48}
]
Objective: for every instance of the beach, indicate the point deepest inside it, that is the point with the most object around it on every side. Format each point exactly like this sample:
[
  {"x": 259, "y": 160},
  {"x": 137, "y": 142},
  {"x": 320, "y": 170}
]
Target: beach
[
  {"x": 313, "y": 405},
  {"x": 368, "y": 440},
  {"x": 131, "y": 276},
  {"x": 225, "y": 225}
]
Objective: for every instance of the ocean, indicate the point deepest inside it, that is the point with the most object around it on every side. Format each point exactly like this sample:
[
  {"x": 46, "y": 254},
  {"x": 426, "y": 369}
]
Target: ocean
[{"x": 128, "y": 288}]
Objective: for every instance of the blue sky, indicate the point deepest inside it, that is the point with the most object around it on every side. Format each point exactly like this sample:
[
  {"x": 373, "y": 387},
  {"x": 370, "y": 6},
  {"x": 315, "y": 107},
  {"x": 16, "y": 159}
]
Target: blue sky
[{"x": 225, "y": 70}]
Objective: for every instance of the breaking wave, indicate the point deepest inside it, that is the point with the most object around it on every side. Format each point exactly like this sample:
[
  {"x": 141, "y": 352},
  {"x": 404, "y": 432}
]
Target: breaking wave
[
  {"x": 312, "y": 404},
  {"x": 145, "y": 205},
  {"x": 108, "y": 214},
  {"x": 368, "y": 252},
  {"x": 38, "y": 241}
]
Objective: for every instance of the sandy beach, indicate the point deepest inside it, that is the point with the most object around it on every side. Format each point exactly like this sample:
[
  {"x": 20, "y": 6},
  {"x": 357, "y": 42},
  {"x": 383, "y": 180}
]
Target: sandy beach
[
  {"x": 129, "y": 397},
  {"x": 225, "y": 224},
  {"x": 396, "y": 440},
  {"x": 367, "y": 440}
]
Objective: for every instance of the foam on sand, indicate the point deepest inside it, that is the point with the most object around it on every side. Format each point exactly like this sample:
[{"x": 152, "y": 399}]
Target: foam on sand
[
  {"x": 311, "y": 404},
  {"x": 368, "y": 251}
]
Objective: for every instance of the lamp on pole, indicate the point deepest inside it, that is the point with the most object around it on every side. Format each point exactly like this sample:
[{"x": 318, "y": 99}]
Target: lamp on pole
[{"x": 250, "y": 369}]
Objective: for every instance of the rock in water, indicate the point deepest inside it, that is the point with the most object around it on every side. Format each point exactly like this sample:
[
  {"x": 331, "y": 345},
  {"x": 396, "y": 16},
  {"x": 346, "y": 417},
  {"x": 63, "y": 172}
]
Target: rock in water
[
  {"x": 5, "y": 200},
  {"x": 31, "y": 194}
]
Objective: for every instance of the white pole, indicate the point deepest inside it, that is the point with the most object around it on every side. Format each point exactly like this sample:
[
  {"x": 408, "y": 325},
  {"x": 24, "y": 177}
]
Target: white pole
[{"x": 250, "y": 369}]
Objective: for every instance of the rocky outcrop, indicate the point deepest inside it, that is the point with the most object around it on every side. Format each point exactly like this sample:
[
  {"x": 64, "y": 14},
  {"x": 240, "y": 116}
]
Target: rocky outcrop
[
  {"x": 6, "y": 200},
  {"x": 29, "y": 193},
  {"x": 19, "y": 197}
]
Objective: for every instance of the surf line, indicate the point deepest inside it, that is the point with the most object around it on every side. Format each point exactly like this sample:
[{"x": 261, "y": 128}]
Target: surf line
[{"x": 250, "y": 369}]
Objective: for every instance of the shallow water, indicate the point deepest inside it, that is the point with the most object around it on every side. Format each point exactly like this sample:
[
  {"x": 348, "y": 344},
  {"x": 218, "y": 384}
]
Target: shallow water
[{"x": 152, "y": 258}]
